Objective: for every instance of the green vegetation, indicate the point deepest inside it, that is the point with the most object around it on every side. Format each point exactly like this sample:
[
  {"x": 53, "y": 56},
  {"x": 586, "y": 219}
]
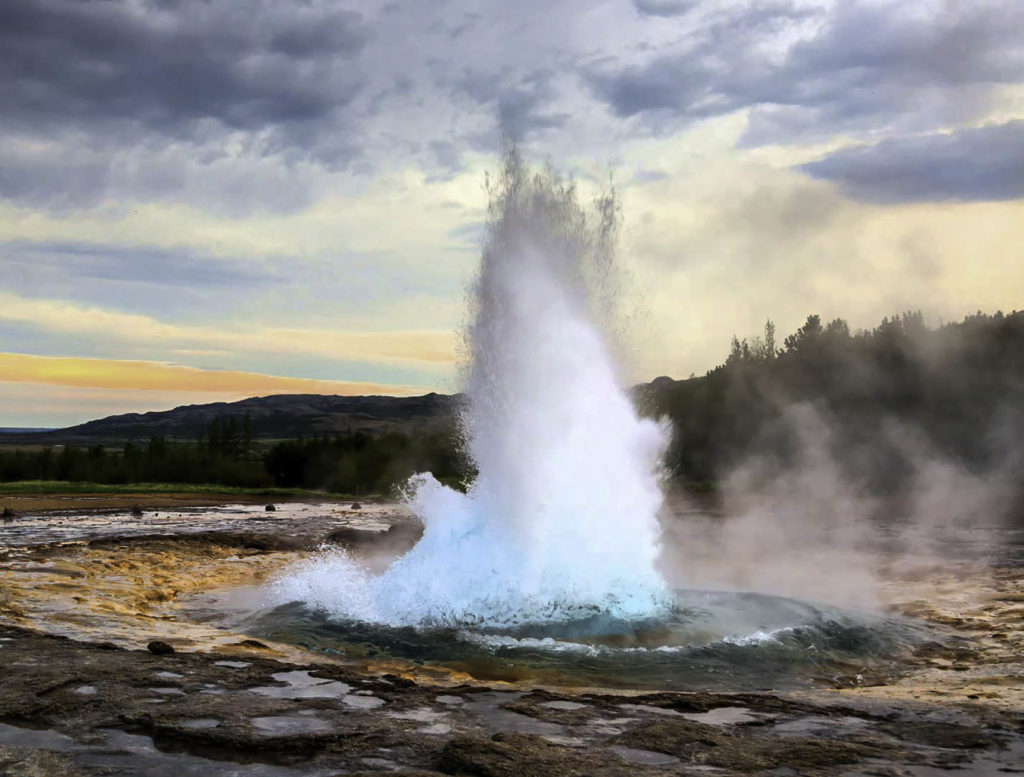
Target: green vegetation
[
  {"x": 887, "y": 397},
  {"x": 360, "y": 463},
  {"x": 86, "y": 487},
  {"x": 226, "y": 457}
]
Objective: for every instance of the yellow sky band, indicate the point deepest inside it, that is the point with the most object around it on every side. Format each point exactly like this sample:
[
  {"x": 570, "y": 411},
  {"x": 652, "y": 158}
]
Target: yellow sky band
[{"x": 156, "y": 376}]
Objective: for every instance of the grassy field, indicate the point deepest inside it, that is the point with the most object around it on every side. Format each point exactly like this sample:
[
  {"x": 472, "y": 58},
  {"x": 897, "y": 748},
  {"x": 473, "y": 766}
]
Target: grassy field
[{"x": 67, "y": 487}]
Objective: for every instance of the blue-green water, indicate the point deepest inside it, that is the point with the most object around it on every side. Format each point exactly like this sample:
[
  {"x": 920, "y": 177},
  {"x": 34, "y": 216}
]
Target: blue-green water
[{"x": 707, "y": 640}]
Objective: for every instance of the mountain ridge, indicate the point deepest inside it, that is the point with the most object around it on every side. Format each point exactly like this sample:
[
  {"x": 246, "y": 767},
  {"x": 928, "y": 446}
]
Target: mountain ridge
[{"x": 276, "y": 416}]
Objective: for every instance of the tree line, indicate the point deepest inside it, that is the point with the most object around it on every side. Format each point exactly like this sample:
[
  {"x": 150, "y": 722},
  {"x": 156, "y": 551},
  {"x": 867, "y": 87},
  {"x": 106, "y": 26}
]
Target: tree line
[
  {"x": 347, "y": 463},
  {"x": 886, "y": 394}
]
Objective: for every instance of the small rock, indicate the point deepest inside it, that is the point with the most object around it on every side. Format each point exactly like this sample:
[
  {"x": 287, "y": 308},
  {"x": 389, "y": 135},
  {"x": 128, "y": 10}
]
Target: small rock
[
  {"x": 136, "y": 510},
  {"x": 270, "y": 509},
  {"x": 253, "y": 643},
  {"x": 356, "y": 506},
  {"x": 156, "y": 647},
  {"x": 8, "y": 514}
]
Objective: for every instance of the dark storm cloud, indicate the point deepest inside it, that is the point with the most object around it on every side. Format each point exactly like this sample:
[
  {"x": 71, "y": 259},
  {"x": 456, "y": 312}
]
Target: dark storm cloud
[
  {"x": 857, "y": 66},
  {"x": 239, "y": 106},
  {"x": 244, "y": 106},
  {"x": 665, "y": 7},
  {"x": 183, "y": 99},
  {"x": 173, "y": 67},
  {"x": 707, "y": 73},
  {"x": 83, "y": 171},
  {"x": 986, "y": 163}
]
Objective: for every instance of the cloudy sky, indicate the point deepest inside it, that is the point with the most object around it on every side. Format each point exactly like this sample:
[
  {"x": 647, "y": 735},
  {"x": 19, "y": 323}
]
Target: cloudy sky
[{"x": 211, "y": 199}]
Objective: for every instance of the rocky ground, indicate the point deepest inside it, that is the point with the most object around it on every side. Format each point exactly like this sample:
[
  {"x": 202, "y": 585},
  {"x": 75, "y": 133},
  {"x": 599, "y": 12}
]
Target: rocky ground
[
  {"x": 101, "y": 703},
  {"x": 34, "y": 504}
]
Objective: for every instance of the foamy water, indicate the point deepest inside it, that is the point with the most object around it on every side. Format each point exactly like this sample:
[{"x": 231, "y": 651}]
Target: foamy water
[{"x": 562, "y": 516}]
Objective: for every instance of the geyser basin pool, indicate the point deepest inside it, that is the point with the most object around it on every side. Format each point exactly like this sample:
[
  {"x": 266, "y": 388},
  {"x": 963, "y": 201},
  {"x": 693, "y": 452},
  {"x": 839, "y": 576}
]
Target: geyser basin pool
[
  {"x": 545, "y": 569},
  {"x": 704, "y": 641}
]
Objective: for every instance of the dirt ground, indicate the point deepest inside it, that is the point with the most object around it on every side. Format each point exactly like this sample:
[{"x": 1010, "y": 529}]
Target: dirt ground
[{"x": 82, "y": 693}]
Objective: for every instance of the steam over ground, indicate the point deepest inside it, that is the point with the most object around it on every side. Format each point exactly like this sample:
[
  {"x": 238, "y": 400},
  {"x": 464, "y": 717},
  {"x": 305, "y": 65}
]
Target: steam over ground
[{"x": 906, "y": 439}]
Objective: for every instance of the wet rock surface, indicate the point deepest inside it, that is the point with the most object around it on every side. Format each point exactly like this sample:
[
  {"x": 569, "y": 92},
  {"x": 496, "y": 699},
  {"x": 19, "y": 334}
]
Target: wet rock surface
[
  {"x": 290, "y": 526},
  {"x": 70, "y": 707},
  {"x": 104, "y": 704}
]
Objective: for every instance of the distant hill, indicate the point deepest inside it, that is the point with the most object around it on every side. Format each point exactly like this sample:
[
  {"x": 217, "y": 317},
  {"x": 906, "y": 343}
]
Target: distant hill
[{"x": 283, "y": 416}]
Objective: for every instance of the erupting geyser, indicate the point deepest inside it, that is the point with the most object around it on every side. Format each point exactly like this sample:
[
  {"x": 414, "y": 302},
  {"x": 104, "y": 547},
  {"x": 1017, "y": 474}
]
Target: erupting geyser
[{"x": 561, "y": 521}]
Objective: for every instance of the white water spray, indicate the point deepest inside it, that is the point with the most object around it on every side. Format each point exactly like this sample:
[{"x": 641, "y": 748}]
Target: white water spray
[{"x": 561, "y": 520}]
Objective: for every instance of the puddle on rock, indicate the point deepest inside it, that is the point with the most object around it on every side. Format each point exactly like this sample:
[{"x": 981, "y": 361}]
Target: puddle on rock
[
  {"x": 300, "y": 685},
  {"x": 438, "y": 729},
  {"x": 816, "y": 724},
  {"x": 650, "y": 710},
  {"x": 726, "y": 716},
  {"x": 562, "y": 705},
  {"x": 451, "y": 701},
  {"x": 488, "y": 707},
  {"x": 41, "y": 739},
  {"x": 609, "y": 726},
  {"x": 362, "y": 702},
  {"x": 420, "y": 715},
  {"x": 290, "y": 725}
]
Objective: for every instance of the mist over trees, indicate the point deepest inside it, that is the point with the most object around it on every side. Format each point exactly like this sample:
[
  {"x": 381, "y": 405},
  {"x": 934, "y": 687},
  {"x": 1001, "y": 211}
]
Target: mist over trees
[{"x": 889, "y": 395}]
